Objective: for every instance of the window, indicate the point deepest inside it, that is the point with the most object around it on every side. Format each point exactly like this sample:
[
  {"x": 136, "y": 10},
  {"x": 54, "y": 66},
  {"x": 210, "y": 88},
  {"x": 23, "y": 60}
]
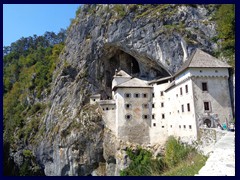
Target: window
[
  {"x": 106, "y": 108},
  {"x": 163, "y": 116},
  {"x": 153, "y": 95},
  {"x": 154, "y": 124},
  {"x": 216, "y": 71},
  {"x": 162, "y": 126},
  {"x": 180, "y": 91},
  {"x": 161, "y": 93},
  {"x": 200, "y": 71},
  {"x": 190, "y": 127},
  {"x": 128, "y": 116},
  {"x": 145, "y": 116},
  {"x": 206, "y": 106},
  {"x": 144, "y": 95},
  {"x": 94, "y": 99},
  {"x": 188, "y": 107},
  {"x": 186, "y": 88},
  {"x": 145, "y": 106},
  {"x": 204, "y": 86},
  {"x": 162, "y": 104},
  {"x": 153, "y": 105},
  {"x": 182, "y": 108},
  {"x": 171, "y": 126},
  {"x": 169, "y": 112},
  {"x": 103, "y": 109},
  {"x": 178, "y": 111},
  {"x": 127, "y": 95},
  {"x": 184, "y": 126},
  {"x": 128, "y": 106},
  {"x": 112, "y": 108},
  {"x": 136, "y": 95},
  {"x": 153, "y": 116},
  {"x": 179, "y": 126},
  {"x": 176, "y": 95}
]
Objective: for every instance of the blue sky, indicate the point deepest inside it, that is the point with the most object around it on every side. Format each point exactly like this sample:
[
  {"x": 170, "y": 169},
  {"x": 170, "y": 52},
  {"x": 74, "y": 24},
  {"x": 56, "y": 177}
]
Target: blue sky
[{"x": 24, "y": 20}]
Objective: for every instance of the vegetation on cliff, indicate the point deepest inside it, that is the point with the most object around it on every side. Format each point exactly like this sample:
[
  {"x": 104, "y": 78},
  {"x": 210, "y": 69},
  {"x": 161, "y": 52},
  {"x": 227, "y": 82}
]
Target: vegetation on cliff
[
  {"x": 178, "y": 160},
  {"x": 28, "y": 67}
]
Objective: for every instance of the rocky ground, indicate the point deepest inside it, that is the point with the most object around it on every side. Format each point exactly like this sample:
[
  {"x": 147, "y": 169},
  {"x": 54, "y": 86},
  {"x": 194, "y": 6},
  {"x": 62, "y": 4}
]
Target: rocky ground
[{"x": 222, "y": 161}]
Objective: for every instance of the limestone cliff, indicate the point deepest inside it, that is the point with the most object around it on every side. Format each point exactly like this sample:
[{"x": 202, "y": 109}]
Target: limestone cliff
[{"x": 147, "y": 41}]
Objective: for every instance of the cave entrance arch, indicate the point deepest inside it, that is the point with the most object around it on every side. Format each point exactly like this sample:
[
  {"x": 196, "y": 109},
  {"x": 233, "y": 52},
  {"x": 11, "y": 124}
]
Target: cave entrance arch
[{"x": 136, "y": 66}]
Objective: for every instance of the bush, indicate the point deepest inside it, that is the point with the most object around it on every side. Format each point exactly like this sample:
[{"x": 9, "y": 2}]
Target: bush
[{"x": 175, "y": 151}]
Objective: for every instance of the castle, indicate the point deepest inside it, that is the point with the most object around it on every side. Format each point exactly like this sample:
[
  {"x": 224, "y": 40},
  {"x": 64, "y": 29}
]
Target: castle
[{"x": 147, "y": 112}]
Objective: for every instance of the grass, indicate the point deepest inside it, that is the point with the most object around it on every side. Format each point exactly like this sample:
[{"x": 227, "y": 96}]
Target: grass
[
  {"x": 188, "y": 167},
  {"x": 178, "y": 160}
]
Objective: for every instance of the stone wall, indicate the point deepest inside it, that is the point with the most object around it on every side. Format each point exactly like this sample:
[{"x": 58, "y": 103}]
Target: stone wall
[{"x": 208, "y": 138}]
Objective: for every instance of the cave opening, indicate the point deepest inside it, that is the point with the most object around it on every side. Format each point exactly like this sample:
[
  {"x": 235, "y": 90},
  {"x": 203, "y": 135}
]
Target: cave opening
[{"x": 136, "y": 67}]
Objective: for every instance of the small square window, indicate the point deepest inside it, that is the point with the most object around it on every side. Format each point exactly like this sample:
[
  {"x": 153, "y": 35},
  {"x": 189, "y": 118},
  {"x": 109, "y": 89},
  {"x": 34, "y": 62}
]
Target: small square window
[
  {"x": 188, "y": 107},
  {"x": 204, "y": 86},
  {"x": 145, "y": 106},
  {"x": 127, "y": 95},
  {"x": 190, "y": 127},
  {"x": 216, "y": 71},
  {"x": 207, "y": 106},
  {"x": 162, "y": 126},
  {"x": 200, "y": 71},
  {"x": 163, "y": 116},
  {"x": 179, "y": 126},
  {"x": 144, "y": 95},
  {"x": 145, "y": 116},
  {"x": 106, "y": 108},
  {"x": 136, "y": 95},
  {"x": 103, "y": 109},
  {"x": 128, "y": 116},
  {"x": 94, "y": 99},
  {"x": 154, "y": 124},
  {"x": 128, "y": 106},
  {"x": 162, "y": 104},
  {"x": 171, "y": 126},
  {"x": 184, "y": 126},
  {"x": 153, "y": 105}
]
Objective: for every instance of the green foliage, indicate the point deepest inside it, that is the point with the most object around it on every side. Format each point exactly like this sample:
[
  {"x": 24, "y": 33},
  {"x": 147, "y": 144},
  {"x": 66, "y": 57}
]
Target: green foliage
[
  {"x": 78, "y": 10},
  {"x": 179, "y": 159},
  {"x": 27, "y": 153},
  {"x": 120, "y": 9},
  {"x": 27, "y": 72},
  {"x": 142, "y": 163},
  {"x": 225, "y": 18},
  {"x": 175, "y": 151}
]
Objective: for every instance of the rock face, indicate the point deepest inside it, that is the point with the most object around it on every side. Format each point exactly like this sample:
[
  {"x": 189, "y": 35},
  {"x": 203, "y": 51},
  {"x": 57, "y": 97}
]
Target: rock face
[{"x": 146, "y": 41}]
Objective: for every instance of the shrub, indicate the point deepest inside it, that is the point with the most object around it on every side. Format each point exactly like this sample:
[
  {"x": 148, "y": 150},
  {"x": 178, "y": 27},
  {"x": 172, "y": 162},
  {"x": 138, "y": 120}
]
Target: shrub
[{"x": 175, "y": 151}]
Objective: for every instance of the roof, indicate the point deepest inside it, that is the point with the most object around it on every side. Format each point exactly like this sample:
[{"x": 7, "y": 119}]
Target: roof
[
  {"x": 95, "y": 95},
  {"x": 133, "y": 83},
  {"x": 160, "y": 79},
  {"x": 171, "y": 85},
  {"x": 121, "y": 73},
  {"x": 104, "y": 102},
  {"x": 201, "y": 59}
]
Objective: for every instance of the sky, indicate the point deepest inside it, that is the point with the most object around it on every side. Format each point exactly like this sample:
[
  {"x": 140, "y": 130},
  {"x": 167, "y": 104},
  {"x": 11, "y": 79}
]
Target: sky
[{"x": 24, "y": 20}]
